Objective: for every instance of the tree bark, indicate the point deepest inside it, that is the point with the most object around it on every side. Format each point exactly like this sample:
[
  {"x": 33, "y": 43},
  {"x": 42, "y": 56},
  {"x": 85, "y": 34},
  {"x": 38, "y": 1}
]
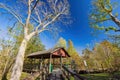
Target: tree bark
[
  {"x": 115, "y": 20},
  {"x": 18, "y": 66}
]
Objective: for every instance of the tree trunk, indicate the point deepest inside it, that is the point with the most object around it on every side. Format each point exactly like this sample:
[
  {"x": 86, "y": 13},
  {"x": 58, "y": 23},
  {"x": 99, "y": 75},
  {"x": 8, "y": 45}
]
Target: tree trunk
[
  {"x": 18, "y": 66},
  {"x": 4, "y": 77},
  {"x": 6, "y": 70}
]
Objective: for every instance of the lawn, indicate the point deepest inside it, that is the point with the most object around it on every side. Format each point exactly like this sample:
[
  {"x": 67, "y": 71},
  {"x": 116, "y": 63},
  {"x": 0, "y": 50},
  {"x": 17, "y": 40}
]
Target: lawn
[{"x": 98, "y": 76}]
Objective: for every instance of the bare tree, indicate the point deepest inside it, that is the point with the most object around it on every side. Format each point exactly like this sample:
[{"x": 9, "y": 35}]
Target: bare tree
[{"x": 41, "y": 14}]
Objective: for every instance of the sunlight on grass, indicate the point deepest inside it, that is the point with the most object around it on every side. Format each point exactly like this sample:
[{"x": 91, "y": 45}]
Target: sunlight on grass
[
  {"x": 24, "y": 75},
  {"x": 72, "y": 78},
  {"x": 99, "y": 76}
]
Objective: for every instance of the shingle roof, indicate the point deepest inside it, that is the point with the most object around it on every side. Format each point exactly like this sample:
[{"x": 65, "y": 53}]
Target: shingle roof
[{"x": 46, "y": 53}]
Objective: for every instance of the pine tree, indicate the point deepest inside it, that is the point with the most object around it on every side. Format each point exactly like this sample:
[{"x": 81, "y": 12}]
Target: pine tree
[
  {"x": 61, "y": 43},
  {"x": 75, "y": 58}
]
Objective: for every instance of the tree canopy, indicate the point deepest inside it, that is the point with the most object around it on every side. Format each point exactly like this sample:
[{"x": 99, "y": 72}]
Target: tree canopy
[{"x": 103, "y": 11}]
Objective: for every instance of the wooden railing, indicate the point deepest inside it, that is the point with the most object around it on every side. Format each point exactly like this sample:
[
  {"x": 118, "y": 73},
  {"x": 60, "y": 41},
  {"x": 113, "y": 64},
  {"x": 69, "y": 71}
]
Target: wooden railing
[{"x": 74, "y": 74}]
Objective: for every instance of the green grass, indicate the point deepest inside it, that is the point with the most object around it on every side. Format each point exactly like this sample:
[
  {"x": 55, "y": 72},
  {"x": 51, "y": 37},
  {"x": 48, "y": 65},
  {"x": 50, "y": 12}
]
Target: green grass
[
  {"x": 99, "y": 76},
  {"x": 72, "y": 78},
  {"x": 24, "y": 75}
]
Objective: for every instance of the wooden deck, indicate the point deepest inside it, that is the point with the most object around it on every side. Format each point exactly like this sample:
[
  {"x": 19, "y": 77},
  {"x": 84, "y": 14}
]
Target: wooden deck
[
  {"x": 56, "y": 75},
  {"x": 59, "y": 74}
]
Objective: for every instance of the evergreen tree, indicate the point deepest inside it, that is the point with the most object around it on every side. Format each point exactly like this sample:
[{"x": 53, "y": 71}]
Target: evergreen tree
[
  {"x": 61, "y": 43},
  {"x": 34, "y": 45},
  {"x": 71, "y": 50},
  {"x": 75, "y": 58}
]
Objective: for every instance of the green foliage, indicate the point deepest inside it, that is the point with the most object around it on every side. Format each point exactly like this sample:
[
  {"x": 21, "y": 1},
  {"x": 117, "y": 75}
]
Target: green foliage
[
  {"x": 61, "y": 43},
  {"x": 100, "y": 14},
  {"x": 9, "y": 48},
  {"x": 24, "y": 75},
  {"x": 115, "y": 40},
  {"x": 34, "y": 45},
  {"x": 104, "y": 56},
  {"x": 72, "y": 78},
  {"x": 71, "y": 50},
  {"x": 74, "y": 55},
  {"x": 6, "y": 56},
  {"x": 88, "y": 56}
]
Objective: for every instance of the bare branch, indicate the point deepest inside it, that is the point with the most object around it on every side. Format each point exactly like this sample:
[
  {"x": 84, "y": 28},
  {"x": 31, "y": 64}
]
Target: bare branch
[
  {"x": 45, "y": 25},
  {"x": 45, "y": 15},
  {"x": 37, "y": 31},
  {"x": 35, "y": 5},
  {"x": 117, "y": 30},
  {"x": 116, "y": 20},
  {"x": 28, "y": 18},
  {"x": 34, "y": 33},
  {"x": 12, "y": 12},
  {"x": 32, "y": 17},
  {"x": 52, "y": 20},
  {"x": 38, "y": 16}
]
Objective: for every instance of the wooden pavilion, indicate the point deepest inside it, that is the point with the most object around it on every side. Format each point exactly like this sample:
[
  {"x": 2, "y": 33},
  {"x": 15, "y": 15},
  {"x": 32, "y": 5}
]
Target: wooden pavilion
[
  {"x": 49, "y": 55},
  {"x": 45, "y": 73}
]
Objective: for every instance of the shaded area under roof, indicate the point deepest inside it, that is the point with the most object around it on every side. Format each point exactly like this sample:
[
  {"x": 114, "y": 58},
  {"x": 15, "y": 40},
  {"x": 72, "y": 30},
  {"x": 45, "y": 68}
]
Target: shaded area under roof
[{"x": 56, "y": 53}]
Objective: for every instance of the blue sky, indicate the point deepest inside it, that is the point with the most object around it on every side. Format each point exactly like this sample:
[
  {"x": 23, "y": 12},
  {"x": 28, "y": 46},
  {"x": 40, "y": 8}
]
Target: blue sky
[{"x": 78, "y": 31}]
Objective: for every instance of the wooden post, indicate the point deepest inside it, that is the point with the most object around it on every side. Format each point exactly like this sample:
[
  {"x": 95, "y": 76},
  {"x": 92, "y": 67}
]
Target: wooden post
[
  {"x": 53, "y": 63},
  {"x": 31, "y": 66},
  {"x": 41, "y": 68},
  {"x": 61, "y": 61},
  {"x": 50, "y": 63},
  {"x": 44, "y": 73},
  {"x": 47, "y": 66},
  {"x": 39, "y": 65},
  {"x": 102, "y": 67}
]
